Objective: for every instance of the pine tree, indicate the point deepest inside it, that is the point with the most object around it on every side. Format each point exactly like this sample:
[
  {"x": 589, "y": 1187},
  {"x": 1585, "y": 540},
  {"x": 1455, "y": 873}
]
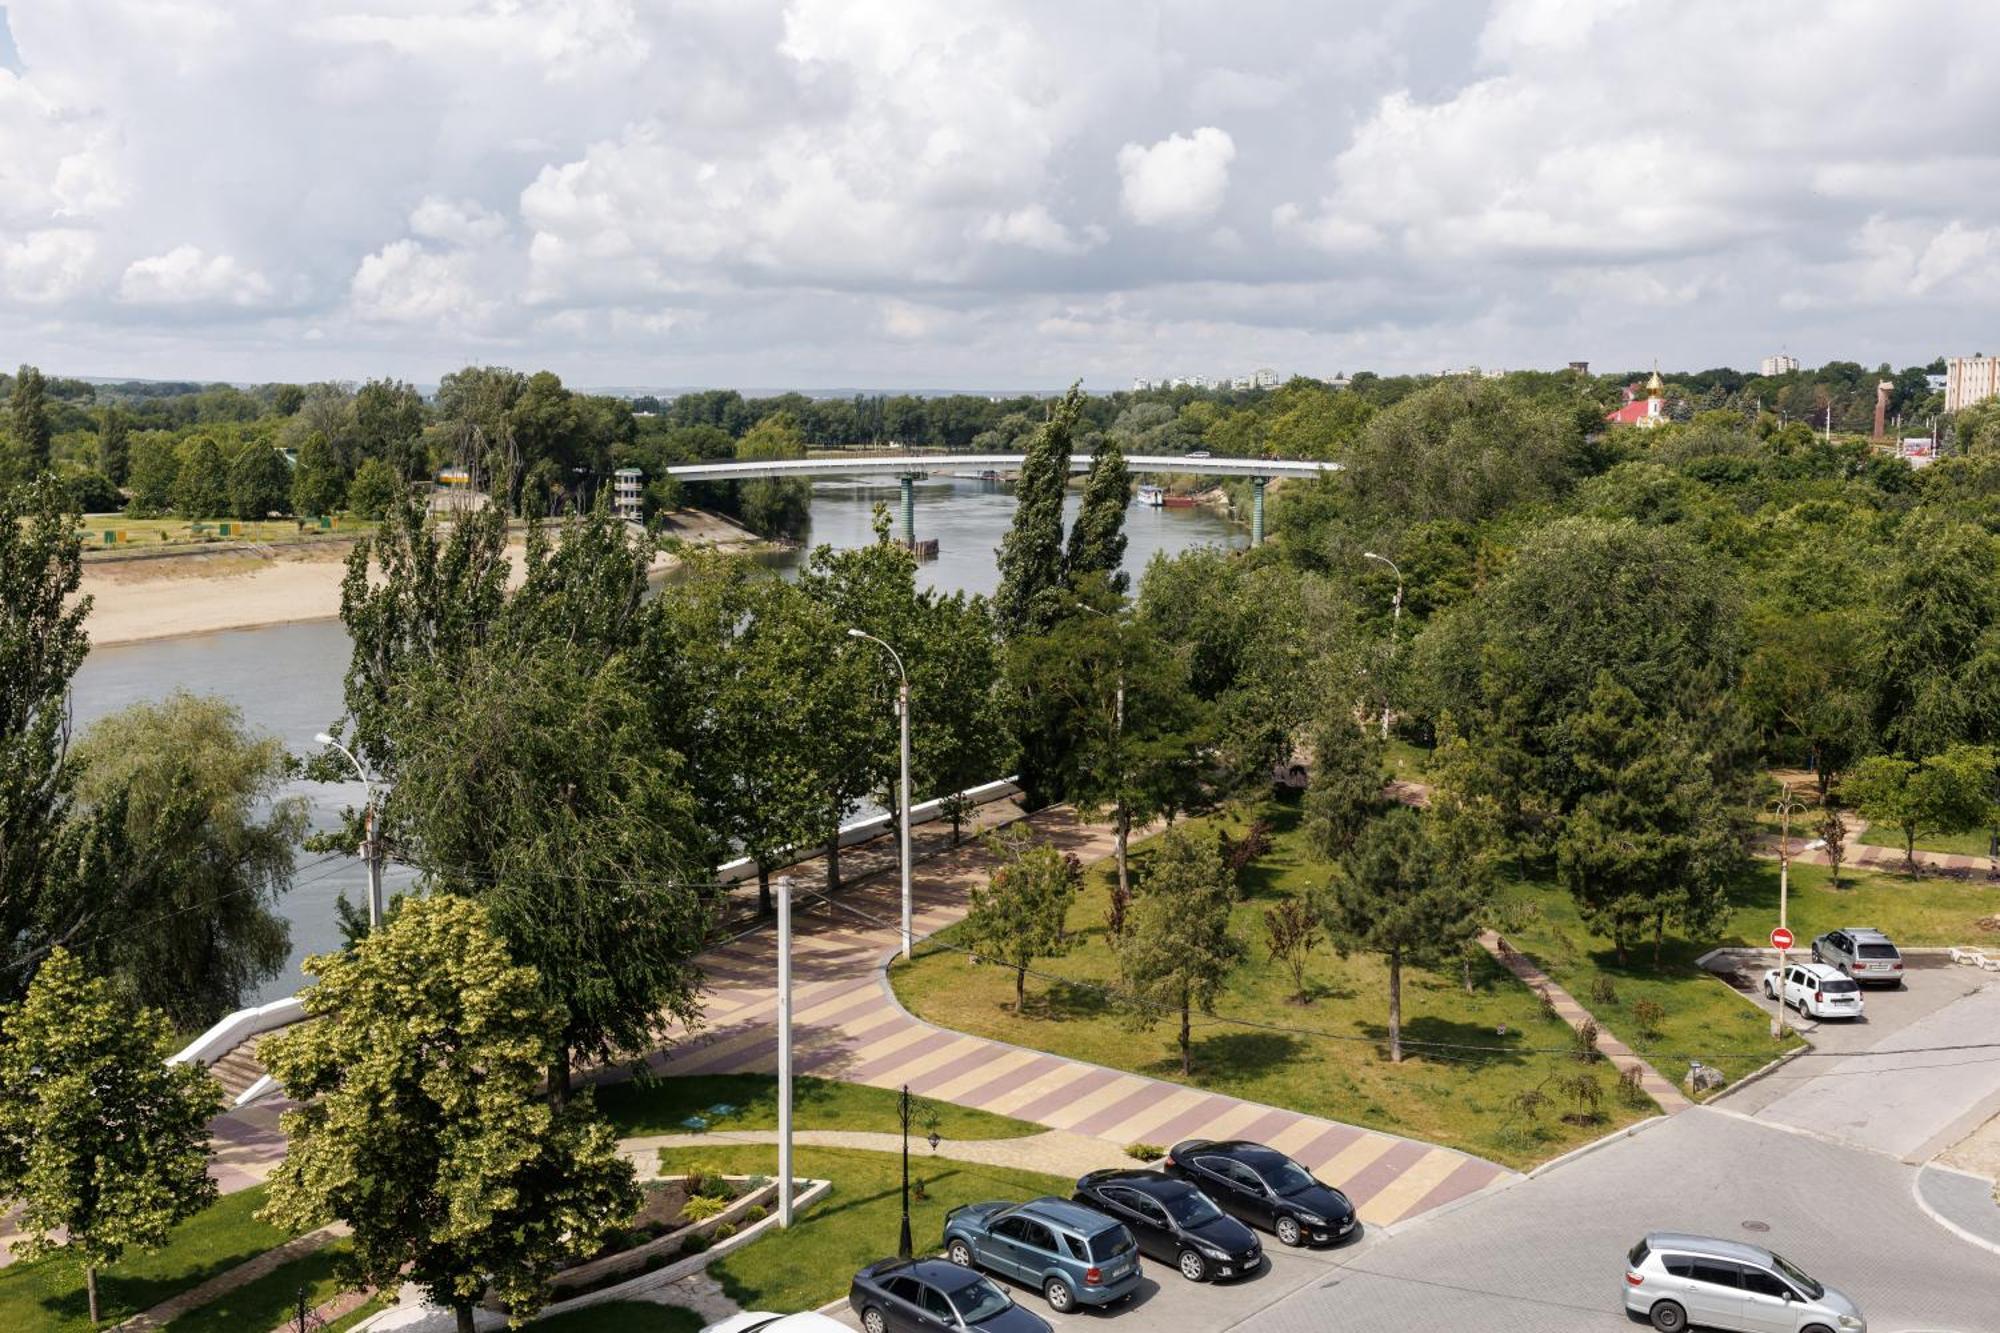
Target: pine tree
[
  {"x": 1097, "y": 538},
  {"x": 1177, "y": 949},
  {"x": 1347, "y": 782},
  {"x": 1031, "y": 555}
]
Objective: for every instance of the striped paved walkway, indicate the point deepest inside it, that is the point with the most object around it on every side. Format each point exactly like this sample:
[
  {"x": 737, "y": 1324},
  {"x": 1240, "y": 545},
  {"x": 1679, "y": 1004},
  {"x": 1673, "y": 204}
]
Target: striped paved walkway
[{"x": 847, "y": 1025}]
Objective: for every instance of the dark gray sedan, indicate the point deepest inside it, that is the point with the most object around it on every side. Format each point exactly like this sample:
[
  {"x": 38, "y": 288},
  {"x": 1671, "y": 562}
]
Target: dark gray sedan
[{"x": 934, "y": 1296}]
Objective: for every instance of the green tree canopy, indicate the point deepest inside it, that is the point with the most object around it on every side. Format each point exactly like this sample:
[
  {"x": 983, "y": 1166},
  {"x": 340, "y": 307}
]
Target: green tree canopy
[
  {"x": 1943, "y": 793},
  {"x": 28, "y": 420},
  {"x": 1097, "y": 538},
  {"x": 1018, "y": 916},
  {"x": 319, "y": 483},
  {"x": 1031, "y": 554},
  {"x": 419, "y": 1122},
  {"x": 775, "y": 506},
  {"x": 1178, "y": 951},
  {"x": 201, "y": 480},
  {"x": 375, "y": 489},
  {"x": 103, "y": 1144},
  {"x": 260, "y": 481}
]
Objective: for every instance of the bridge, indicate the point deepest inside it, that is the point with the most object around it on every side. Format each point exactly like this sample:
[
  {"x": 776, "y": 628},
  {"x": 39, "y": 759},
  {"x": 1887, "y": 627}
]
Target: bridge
[{"x": 911, "y": 468}]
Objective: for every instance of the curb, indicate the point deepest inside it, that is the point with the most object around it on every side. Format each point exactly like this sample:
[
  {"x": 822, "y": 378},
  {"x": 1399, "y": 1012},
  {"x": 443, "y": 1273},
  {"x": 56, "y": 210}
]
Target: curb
[
  {"x": 1923, "y": 1205},
  {"x": 1770, "y": 1067},
  {"x": 1614, "y": 1136}
]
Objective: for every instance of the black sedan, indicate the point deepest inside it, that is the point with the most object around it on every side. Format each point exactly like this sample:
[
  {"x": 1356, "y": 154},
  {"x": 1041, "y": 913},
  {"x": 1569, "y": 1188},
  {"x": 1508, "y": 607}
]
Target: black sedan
[
  {"x": 1265, "y": 1188},
  {"x": 925, "y": 1295},
  {"x": 1174, "y": 1222}
]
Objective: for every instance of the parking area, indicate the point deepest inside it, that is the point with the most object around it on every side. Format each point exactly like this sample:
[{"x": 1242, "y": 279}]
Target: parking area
[{"x": 1916, "y": 1073}]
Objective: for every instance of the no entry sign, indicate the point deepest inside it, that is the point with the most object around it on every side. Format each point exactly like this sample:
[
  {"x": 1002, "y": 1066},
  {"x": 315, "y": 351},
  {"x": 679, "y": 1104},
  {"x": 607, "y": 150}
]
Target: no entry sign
[{"x": 1781, "y": 938}]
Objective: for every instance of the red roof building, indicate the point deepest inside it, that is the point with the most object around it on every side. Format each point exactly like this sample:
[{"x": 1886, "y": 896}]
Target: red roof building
[{"x": 1644, "y": 412}]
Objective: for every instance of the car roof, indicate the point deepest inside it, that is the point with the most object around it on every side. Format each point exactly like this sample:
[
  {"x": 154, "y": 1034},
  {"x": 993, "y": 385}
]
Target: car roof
[
  {"x": 1064, "y": 1213},
  {"x": 1155, "y": 1183},
  {"x": 1685, "y": 1243},
  {"x": 1864, "y": 932},
  {"x": 940, "y": 1273},
  {"x": 1825, "y": 971}
]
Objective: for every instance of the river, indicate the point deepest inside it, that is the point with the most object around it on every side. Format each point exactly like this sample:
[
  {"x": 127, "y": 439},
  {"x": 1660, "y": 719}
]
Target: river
[{"x": 286, "y": 679}]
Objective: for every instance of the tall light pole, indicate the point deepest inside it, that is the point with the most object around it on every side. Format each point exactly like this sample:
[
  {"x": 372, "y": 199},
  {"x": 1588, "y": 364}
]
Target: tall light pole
[
  {"x": 371, "y": 850},
  {"x": 903, "y": 781},
  {"x": 1395, "y": 623},
  {"x": 784, "y": 888},
  {"x": 1118, "y": 744},
  {"x": 1785, "y": 806}
]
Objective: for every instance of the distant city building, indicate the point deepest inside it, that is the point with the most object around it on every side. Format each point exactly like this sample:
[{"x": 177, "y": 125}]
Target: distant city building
[
  {"x": 1265, "y": 378},
  {"x": 1243, "y": 382},
  {"x": 1782, "y": 364},
  {"x": 1969, "y": 380},
  {"x": 1140, "y": 384},
  {"x": 1646, "y": 412},
  {"x": 628, "y": 485},
  {"x": 1580, "y": 367},
  {"x": 1936, "y": 383}
]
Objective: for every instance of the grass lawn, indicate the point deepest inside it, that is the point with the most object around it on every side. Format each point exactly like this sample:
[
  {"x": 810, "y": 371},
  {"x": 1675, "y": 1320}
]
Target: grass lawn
[
  {"x": 272, "y": 1298},
  {"x": 1914, "y": 912},
  {"x": 1410, "y": 763},
  {"x": 1975, "y": 843},
  {"x": 623, "y": 1317},
  {"x": 855, "y": 1223},
  {"x": 1335, "y": 1066},
  {"x": 663, "y": 1106},
  {"x": 48, "y": 1294}
]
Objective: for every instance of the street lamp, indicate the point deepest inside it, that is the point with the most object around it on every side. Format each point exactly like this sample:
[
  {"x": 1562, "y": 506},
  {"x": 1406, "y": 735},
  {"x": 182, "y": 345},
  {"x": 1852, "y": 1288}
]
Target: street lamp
[
  {"x": 903, "y": 782},
  {"x": 371, "y": 851},
  {"x": 1395, "y": 621},
  {"x": 1785, "y": 806},
  {"x": 1118, "y": 746}
]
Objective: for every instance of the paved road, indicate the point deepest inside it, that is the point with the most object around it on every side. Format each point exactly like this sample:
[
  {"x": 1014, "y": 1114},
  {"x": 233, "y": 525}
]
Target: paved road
[
  {"x": 1883, "y": 1083},
  {"x": 847, "y": 1025}
]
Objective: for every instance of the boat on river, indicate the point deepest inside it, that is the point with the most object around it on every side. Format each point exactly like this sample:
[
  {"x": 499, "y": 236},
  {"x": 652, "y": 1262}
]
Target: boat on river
[{"x": 1152, "y": 497}]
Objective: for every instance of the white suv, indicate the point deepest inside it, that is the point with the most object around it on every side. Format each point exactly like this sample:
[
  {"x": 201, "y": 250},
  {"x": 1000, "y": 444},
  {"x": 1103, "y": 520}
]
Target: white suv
[
  {"x": 1677, "y": 1281},
  {"x": 1816, "y": 989}
]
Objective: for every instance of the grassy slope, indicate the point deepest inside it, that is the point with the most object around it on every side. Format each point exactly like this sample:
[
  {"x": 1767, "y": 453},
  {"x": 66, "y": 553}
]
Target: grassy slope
[
  {"x": 855, "y": 1224},
  {"x": 1338, "y": 1068},
  {"x": 662, "y": 1106},
  {"x": 1974, "y": 843}
]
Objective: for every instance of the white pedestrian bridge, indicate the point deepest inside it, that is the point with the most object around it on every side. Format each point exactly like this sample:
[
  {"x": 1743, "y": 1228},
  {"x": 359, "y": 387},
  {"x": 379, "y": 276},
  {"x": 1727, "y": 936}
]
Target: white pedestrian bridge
[{"x": 924, "y": 464}]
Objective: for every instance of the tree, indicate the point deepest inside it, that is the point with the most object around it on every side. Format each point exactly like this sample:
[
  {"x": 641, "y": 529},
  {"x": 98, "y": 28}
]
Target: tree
[
  {"x": 1832, "y": 830},
  {"x": 419, "y": 1122},
  {"x": 1021, "y": 913},
  {"x": 260, "y": 482},
  {"x": 1031, "y": 554},
  {"x": 28, "y": 419},
  {"x": 200, "y": 850},
  {"x": 200, "y": 479},
  {"x": 1940, "y": 663},
  {"x": 1291, "y": 932},
  {"x": 150, "y": 480},
  {"x": 1942, "y": 794},
  {"x": 102, "y": 1142},
  {"x": 1177, "y": 951},
  {"x": 1347, "y": 781},
  {"x": 374, "y": 490},
  {"x": 1409, "y": 890},
  {"x": 42, "y": 643},
  {"x": 774, "y": 506},
  {"x": 1097, "y": 538},
  {"x": 113, "y": 443},
  {"x": 1654, "y": 837},
  {"x": 319, "y": 486},
  {"x": 958, "y": 726}
]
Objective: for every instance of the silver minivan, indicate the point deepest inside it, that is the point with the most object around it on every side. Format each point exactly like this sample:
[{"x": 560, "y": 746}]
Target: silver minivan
[{"x": 1680, "y": 1281}]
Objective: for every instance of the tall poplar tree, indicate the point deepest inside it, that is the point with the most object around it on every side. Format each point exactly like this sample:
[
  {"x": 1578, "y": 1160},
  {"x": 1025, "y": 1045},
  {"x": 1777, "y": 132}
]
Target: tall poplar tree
[
  {"x": 28, "y": 419},
  {"x": 1031, "y": 554},
  {"x": 1097, "y": 538}
]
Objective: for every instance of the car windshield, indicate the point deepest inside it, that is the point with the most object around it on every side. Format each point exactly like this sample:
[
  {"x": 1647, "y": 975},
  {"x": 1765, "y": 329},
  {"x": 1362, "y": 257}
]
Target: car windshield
[
  {"x": 1285, "y": 1176},
  {"x": 1838, "y": 986},
  {"x": 979, "y": 1300},
  {"x": 1192, "y": 1209},
  {"x": 1798, "y": 1277},
  {"x": 1877, "y": 951}
]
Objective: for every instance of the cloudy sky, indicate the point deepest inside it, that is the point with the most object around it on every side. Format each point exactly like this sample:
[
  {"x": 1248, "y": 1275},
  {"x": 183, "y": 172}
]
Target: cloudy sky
[{"x": 990, "y": 193}]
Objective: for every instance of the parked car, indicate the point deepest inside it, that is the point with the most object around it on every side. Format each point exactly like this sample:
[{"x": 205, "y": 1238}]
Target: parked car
[
  {"x": 1265, "y": 1188},
  {"x": 1072, "y": 1254},
  {"x": 925, "y": 1295},
  {"x": 763, "y": 1321},
  {"x": 1862, "y": 952},
  {"x": 1678, "y": 1281},
  {"x": 1174, "y": 1222},
  {"x": 1816, "y": 989}
]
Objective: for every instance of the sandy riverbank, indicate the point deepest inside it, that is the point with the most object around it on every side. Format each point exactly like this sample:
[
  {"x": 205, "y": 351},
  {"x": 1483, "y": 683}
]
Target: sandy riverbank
[{"x": 247, "y": 588}]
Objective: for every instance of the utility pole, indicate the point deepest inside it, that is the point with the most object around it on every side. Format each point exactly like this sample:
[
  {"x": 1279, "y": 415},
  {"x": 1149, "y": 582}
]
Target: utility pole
[
  {"x": 784, "y": 889},
  {"x": 1395, "y": 623},
  {"x": 903, "y": 1247},
  {"x": 903, "y": 777}
]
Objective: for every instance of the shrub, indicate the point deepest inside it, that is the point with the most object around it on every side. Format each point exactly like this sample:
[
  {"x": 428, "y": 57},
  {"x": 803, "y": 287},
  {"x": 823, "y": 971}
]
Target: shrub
[
  {"x": 1583, "y": 1045},
  {"x": 723, "y": 1232},
  {"x": 701, "y": 1207},
  {"x": 1548, "y": 1006},
  {"x": 695, "y": 1244},
  {"x": 1647, "y": 1015},
  {"x": 1531, "y": 1102},
  {"x": 756, "y": 1212},
  {"x": 1145, "y": 1152},
  {"x": 1585, "y": 1093},
  {"x": 1629, "y": 1090},
  {"x": 1603, "y": 992},
  {"x": 702, "y": 1180}
]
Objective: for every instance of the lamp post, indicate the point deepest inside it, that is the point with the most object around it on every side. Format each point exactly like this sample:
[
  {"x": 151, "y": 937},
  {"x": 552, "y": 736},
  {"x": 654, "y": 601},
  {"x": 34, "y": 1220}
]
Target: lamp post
[
  {"x": 904, "y": 1111},
  {"x": 784, "y": 889},
  {"x": 1118, "y": 746},
  {"x": 371, "y": 850},
  {"x": 1395, "y": 622},
  {"x": 903, "y": 781},
  {"x": 1785, "y": 806}
]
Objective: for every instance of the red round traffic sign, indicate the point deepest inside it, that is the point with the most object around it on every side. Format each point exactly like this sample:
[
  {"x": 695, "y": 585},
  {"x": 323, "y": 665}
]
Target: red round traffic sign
[{"x": 1781, "y": 938}]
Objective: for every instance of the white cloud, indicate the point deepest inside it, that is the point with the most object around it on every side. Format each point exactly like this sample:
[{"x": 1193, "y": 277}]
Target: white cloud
[
  {"x": 403, "y": 283},
  {"x": 45, "y": 267},
  {"x": 1179, "y": 180},
  {"x": 187, "y": 276},
  {"x": 456, "y": 222},
  {"x": 1035, "y": 228}
]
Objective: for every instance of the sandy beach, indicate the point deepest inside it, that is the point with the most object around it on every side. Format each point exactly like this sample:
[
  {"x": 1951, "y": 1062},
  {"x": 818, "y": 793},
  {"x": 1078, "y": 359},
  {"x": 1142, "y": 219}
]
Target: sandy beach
[{"x": 245, "y": 588}]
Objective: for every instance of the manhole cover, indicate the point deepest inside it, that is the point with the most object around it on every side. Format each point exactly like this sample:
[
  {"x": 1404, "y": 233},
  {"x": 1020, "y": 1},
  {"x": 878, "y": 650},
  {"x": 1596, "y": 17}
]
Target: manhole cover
[{"x": 1754, "y": 1225}]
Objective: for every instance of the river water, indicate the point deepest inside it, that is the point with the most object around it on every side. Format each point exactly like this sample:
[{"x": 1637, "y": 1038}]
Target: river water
[{"x": 286, "y": 679}]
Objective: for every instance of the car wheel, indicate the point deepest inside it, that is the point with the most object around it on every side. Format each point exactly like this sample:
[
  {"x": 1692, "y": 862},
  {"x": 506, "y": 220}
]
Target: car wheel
[
  {"x": 1815, "y": 954},
  {"x": 1815, "y": 1328},
  {"x": 1288, "y": 1231},
  {"x": 1193, "y": 1267},
  {"x": 1769, "y": 993},
  {"x": 961, "y": 1254},
  {"x": 1668, "y": 1317},
  {"x": 1060, "y": 1298},
  {"x": 872, "y": 1320}
]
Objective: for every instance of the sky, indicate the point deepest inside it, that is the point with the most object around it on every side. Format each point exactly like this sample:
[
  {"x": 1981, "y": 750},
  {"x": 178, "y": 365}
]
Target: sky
[{"x": 997, "y": 194}]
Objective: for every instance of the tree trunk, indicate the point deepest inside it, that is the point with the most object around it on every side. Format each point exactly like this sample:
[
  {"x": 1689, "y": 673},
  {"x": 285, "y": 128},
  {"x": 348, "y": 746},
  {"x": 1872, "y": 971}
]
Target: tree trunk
[
  {"x": 957, "y": 824},
  {"x": 1124, "y": 839},
  {"x": 1465, "y": 969},
  {"x": 1020, "y": 988},
  {"x": 1910, "y": 847},
  {"x": 833, "y": 863},
  {"x": 559, "y": 1076},
  {"x": 763, "y": 889},
  {"x": 1659, "y": 930},
  {"x": 90, "y": 1285},
  {"x": 1187, "y": 1056},
  {"x": 464, "y": 1312},
  {"x": 1395, "y": 1006}
]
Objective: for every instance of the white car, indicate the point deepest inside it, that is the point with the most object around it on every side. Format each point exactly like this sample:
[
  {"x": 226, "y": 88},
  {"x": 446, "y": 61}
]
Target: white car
[
  {"x": 763, "y": 1321},
  {"x": 1816, "y": 989}
]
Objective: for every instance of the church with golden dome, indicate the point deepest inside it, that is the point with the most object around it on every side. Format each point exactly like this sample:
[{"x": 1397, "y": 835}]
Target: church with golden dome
[{"x": 1647, "y": 411}]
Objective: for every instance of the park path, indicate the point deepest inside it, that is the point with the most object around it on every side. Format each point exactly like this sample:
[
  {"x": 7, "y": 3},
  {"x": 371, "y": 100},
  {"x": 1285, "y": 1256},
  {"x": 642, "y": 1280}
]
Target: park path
[
  {"x": 1621, "y": 1056},
  {"x": 848, "y": 1025}
]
